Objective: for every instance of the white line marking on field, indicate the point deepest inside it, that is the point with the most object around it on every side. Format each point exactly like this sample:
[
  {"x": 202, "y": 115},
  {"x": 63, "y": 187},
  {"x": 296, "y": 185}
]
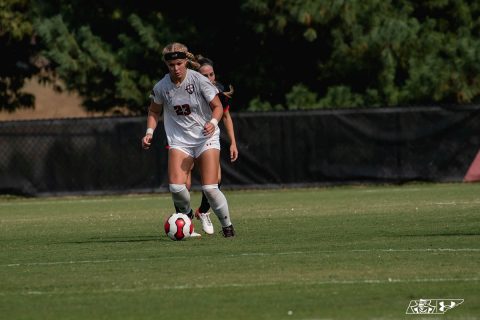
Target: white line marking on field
[
  {"x": 242, "y": 285},
  {"x": 79, "y": 200},
  {"x": 420, "y": 250},
  {"x": 52, "y": 263}
]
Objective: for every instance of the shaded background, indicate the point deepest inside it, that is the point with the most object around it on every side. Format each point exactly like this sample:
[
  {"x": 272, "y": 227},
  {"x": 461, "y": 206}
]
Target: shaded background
[{"x": 104, "y": 155}]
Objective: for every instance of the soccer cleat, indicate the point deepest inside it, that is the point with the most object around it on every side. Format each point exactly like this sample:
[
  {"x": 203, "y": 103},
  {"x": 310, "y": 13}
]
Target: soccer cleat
[
  {"x": 195, "y": 234},
  {"x": 207, "y": 225},
  {"x": 228, "y": 231}
]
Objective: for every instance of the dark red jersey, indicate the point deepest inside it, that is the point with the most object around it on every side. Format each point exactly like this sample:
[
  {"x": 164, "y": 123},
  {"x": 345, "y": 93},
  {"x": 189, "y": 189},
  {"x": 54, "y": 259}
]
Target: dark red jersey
[{"x": 223, "y": 98}]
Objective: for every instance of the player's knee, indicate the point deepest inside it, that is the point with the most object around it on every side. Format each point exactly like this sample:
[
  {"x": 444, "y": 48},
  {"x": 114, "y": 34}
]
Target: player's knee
[
  {"x": 215, "y": 197},
  {"x": 210, "y": 189},
  {"x": 177, "y": 188}
]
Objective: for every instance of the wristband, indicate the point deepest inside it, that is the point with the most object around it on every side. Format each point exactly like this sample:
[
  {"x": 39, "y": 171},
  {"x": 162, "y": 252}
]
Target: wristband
[
  {"x": 149, "y": 131},
  {"x": 214, "y": 122}
]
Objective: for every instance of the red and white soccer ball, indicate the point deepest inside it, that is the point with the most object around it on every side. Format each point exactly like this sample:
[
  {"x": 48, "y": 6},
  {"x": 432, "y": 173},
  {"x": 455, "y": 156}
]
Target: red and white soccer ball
[{"x": 178, "y": 226}]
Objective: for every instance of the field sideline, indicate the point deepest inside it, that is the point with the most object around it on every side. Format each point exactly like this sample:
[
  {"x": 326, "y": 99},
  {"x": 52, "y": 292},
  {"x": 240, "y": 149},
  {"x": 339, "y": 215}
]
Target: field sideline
[{"x": 354, "y": 252}]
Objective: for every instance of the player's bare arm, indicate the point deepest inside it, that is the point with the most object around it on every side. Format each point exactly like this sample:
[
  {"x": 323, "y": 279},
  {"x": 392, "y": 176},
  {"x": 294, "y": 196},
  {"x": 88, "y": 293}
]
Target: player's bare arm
[
  {"x": 227, "y": 121},
  {"x": 217, "y": 114},
  {"x": 154, "y": 113}
]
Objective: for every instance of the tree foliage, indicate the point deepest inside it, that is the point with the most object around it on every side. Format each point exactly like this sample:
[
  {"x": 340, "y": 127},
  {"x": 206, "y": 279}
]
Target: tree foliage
[
  {"x": 16, "y": 32},
  {"x": 285, "y": 54},
  {"x": 381, "y": 53},
  {"x": 111, "y": 60}
]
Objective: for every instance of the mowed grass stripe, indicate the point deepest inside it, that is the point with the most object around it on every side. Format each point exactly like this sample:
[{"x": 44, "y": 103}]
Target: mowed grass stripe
[
  {"x": 429, "y": 250},
  {"x": 244, "y": 285}
]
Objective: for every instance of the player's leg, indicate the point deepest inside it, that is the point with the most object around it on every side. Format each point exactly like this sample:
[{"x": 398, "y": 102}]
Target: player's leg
[
  {"x": 208, "y": 164},
  {"x": 179, "y": 165},
  {"x": 204, "y": 205},
  {"x": 203, "y": 214},
  {"x": 219, "y": 176}
]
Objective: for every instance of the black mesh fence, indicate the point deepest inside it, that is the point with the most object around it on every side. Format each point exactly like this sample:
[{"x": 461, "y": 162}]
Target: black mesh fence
[
  {"x": 104, "y": 155},
  {"x": 77, "y": 155}
]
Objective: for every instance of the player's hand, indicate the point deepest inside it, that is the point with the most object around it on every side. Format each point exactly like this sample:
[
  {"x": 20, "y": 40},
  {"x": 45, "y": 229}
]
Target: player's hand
[
  {"x": 147, "y": 141},
  {"x": 233, "y": 153},
  {"x": 209, "y": 129},
  {"x": 229, "y": 93}
]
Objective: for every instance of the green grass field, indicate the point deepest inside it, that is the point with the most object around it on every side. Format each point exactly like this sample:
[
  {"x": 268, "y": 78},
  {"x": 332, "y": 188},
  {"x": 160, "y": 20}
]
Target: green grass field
[{"x": 357, "y": 252}]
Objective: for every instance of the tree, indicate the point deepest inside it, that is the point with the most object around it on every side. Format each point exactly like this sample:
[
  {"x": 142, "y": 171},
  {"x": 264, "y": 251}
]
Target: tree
[
  {"x": 111, "y": 52},
  {"x": 111, "y": 58},
  {"x": 377, "y": 52},
  {"x": 286, "y": 54},
  {"x": 17, "y": 47}
]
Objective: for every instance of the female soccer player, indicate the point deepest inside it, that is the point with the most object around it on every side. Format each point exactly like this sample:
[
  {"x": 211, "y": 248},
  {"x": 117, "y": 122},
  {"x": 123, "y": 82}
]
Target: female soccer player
[{"x": 191, "y": 112}]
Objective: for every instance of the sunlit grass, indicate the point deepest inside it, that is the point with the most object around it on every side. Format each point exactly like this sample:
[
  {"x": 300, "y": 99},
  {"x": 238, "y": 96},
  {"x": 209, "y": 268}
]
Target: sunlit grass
[{"x": 327, "y": 253}]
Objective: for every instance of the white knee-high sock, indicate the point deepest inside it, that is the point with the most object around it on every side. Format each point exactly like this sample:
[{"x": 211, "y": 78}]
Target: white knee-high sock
[
  {"x": 181, "y": 197},
  {"x": 218, "y": 202}
]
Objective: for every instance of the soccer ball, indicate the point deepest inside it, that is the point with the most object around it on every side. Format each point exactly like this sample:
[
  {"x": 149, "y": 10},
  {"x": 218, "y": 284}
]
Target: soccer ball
[{"x": 178, "y": 226}]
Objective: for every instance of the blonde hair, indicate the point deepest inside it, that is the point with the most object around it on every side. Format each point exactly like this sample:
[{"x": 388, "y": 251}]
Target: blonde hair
[{"x": 192, "y": 62}]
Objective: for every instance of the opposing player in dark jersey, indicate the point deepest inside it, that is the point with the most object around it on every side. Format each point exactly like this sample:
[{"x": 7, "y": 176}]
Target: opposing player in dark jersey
[{"x": 206, "y": 69}]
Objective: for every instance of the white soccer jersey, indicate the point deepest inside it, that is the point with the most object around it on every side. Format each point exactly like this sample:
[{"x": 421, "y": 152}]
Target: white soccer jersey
[{"x": 186, "y": 108}]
